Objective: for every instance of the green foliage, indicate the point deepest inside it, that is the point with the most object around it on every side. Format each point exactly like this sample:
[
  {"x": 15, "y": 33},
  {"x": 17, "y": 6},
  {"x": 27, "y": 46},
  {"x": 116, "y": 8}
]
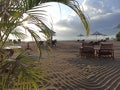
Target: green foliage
[
  {"x": 73, "y": 4},
  {"x": 21, "y": 74},
  {"x": 17, "y": 73},
  {"x": 118, "y": 36}
]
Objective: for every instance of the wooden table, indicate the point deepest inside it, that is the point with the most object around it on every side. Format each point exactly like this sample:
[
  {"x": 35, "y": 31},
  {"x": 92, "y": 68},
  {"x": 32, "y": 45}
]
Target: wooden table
[{"x": 11, "y": 49}]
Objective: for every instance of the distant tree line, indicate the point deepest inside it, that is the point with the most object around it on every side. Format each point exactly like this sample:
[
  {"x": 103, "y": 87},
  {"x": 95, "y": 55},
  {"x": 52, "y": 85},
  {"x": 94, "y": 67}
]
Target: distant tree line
[{"x": 118, "y": 36}]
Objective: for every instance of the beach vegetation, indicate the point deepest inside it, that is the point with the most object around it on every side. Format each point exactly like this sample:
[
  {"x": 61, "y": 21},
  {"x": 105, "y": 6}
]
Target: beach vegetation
[{"x": 20, "y": 72}]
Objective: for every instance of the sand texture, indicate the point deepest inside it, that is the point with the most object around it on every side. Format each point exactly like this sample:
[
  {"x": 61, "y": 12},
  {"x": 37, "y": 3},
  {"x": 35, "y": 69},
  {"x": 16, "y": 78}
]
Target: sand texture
[{"x": 66, "y": 70}]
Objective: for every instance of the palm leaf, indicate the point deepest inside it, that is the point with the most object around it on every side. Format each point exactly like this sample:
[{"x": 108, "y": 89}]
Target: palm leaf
[
  {"x": 21, "y": 74},
  {"x": 18, "y": 34},
  {"x": 70, "y": 3}
]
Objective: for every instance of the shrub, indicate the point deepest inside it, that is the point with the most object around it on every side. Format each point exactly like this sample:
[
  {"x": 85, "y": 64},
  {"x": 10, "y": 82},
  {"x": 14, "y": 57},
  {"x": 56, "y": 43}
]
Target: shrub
[{"x": 118, "y": 36}]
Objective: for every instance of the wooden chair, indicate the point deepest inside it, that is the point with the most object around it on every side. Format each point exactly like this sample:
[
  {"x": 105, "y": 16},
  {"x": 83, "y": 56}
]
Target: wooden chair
[
  {"x": 106, "y": 50},
  {"x": 87, "y": 50}
]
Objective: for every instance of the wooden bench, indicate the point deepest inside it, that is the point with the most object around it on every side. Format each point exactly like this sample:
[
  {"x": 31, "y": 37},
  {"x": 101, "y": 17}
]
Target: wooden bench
[
  {"x": 87, "y": 50},
  {"x": 106, "y": 50}
]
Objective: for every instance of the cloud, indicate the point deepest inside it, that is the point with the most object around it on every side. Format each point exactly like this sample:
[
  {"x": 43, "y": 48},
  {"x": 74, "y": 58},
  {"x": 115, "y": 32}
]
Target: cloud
[
  {"x": 105, "y": 23},
  {"x": 98, "y": 7},
  {"x": 69, "y": 27},
  {"x": 103, "y": 16}
]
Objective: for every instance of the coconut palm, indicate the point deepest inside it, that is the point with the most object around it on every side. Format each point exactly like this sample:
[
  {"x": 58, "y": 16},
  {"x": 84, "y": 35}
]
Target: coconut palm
[{"x": 17, "y": 72}]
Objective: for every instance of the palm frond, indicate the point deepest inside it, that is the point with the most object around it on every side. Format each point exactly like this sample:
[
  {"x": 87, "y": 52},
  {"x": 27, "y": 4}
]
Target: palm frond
[
  {"x": 18, "y": 73},
  {"x": 73, "y": 4},
  {"x": 37, "y": 38},
  {"x": 18, "y": 34}
]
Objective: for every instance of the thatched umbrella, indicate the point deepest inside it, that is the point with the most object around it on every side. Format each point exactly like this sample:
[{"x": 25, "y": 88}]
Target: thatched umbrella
[{"x": 98, "y": 33}]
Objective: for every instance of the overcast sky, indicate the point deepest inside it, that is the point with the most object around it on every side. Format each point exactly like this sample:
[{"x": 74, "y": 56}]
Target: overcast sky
[{"x": 103, "y": 16}]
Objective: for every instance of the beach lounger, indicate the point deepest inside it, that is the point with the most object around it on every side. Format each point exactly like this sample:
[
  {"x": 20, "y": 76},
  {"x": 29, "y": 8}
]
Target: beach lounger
[{"x": 106, "y": 50}]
